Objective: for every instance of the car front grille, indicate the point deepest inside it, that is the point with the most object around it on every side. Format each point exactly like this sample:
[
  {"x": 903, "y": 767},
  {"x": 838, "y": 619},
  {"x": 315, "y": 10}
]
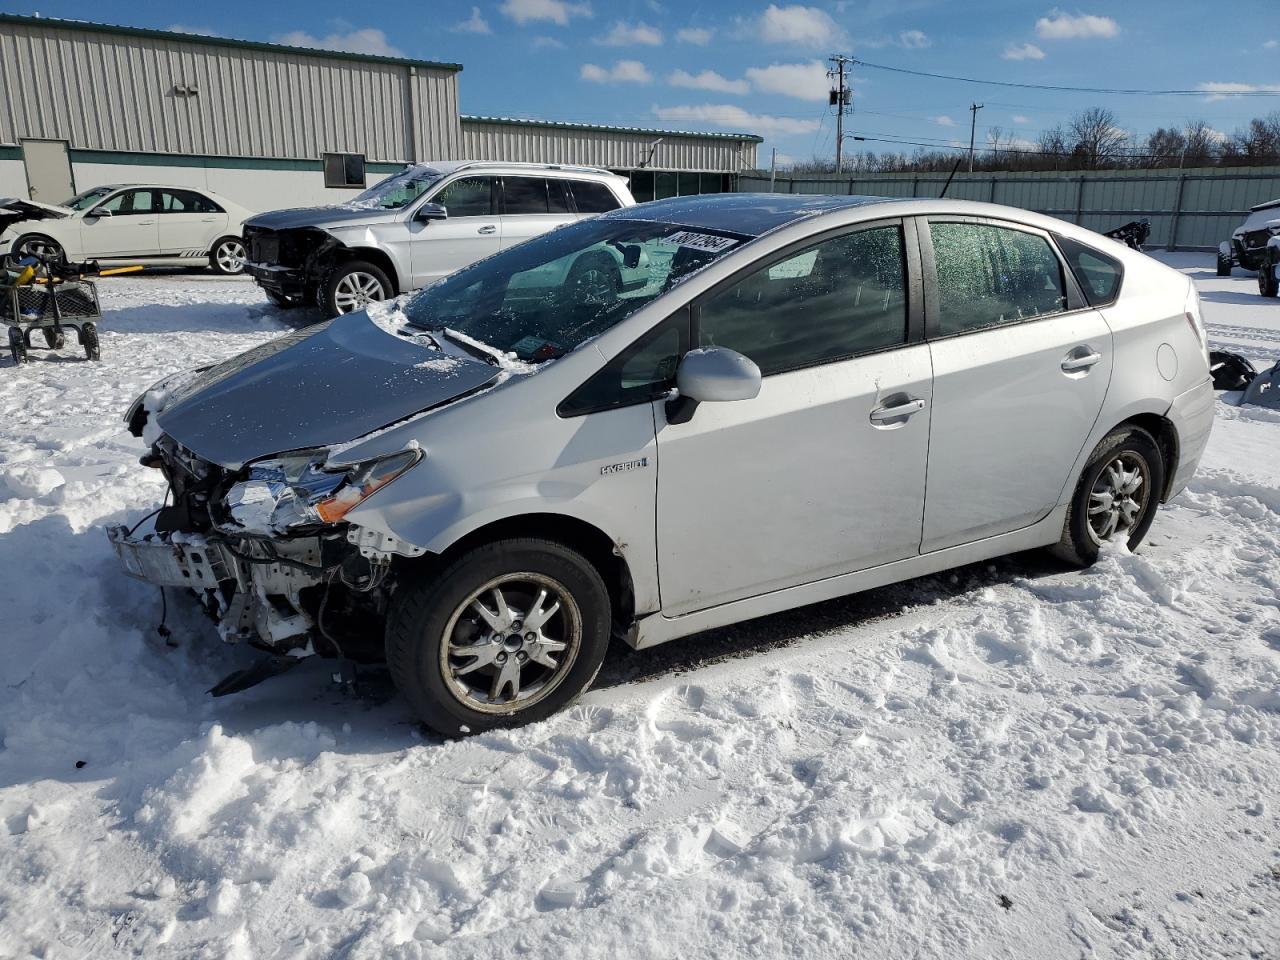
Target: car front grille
[{"x": 264, "y": 248}]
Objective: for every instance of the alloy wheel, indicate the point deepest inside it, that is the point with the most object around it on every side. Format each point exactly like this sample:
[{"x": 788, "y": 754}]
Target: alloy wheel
[
  {"x": 44, "y": 249},
  {"x": 511, "y": 642},
  {"x": 1119, "y": 496},
  {"x": 230, "y": 256},
  {"x": 357, "y": 290}
]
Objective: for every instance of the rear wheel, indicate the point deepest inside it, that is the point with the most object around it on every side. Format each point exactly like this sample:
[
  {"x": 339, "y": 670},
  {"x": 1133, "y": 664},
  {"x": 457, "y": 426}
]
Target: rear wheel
[
  {"x": 508, "y": 634},
  {"x": 54, "y": 338},
  {"x": 1116, "y": 497},
  {"x": 17, "y": 345},
  {"x": 353, "y": 286},
  {"x": 1224, "y": 266},
  {"x": 1268, "y": 285},
  {"x": 228, "y": 256},
  {"x": 89, "y": 340}
]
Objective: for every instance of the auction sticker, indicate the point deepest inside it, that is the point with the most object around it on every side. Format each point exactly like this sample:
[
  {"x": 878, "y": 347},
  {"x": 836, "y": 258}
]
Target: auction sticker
[{"x": 702, "y": 241}]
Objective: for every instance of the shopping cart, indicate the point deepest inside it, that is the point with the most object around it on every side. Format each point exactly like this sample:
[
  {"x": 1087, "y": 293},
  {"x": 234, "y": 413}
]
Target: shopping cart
[{"x": 38, "y": 293}]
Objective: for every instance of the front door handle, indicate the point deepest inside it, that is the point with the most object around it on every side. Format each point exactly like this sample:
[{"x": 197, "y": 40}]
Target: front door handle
[
  {"x": 1074, "y": 363},
  {"x": 899, "y": 410},
  {"x": 487, "y": 230}
]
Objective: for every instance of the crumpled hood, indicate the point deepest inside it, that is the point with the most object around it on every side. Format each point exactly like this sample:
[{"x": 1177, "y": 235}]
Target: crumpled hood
[
  {"x": 14, "y": 210},
  {"x": 318, "y": 387},
  {"x": 337, "y": 215}
]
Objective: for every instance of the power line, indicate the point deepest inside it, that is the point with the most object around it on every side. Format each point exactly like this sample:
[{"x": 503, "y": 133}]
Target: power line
[
  {"x": 1124, "y": 154},
  {"x": 1065, "y": 89}
]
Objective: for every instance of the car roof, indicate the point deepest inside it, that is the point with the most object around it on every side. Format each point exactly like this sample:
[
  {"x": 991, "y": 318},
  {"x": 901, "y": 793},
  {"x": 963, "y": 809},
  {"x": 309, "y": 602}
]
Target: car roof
[
  {"x": 452, "y": 166},
  {"x": 751, "y": 214}
]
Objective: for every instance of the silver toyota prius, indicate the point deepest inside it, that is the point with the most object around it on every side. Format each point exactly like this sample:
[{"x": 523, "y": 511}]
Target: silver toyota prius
[{"x": 665, "y": 419}]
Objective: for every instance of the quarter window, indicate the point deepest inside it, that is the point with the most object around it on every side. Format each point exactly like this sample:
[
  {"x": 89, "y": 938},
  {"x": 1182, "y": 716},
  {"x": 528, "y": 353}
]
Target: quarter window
[
  {"x": 840, "y": 298},
  {"x": 594, "y": 197},
  {"x": 344, "y": 170},
  {"x": 468, "y": 197},
  {"x": 990, "y": 275},
  {"x": 642, "y": 372},
  {"x": 1098, "y": 273}
]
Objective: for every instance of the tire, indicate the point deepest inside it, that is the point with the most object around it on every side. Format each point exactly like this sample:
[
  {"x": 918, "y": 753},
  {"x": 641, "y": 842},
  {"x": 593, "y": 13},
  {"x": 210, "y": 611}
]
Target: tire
[
  {"x": 17, "y": 346},
  {"x": 1132, "y": 447},
  {"x": 353, "y": 286},
  {"x": 89, "y": 340},
  {"x": 54, "y": 338},
  {"x": 453, "y": 693},
  {"x": 1268, "y": 285},
  {"x": 593, "y": 279},
  {"x": 227, "y": 256},
  {"x": 39, "y": 245},
  {"x": 1224, "y": 266}
]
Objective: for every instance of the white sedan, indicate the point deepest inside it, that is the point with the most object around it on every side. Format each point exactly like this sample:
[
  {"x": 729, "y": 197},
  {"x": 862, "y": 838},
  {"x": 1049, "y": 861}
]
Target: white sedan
[{"x": 134, "y": 223}]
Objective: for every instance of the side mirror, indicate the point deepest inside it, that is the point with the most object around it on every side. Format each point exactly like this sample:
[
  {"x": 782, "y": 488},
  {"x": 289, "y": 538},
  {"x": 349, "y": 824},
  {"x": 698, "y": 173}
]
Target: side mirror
[
  {"x": 99, "y": 212},
  {"x": 712, "y": 375},
  {"x": 631, "y": 255},
  {"x": 431, "y": 211}
]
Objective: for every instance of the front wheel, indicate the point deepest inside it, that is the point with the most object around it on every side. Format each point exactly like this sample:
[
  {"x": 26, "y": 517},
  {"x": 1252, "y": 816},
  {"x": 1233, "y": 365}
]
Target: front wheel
[
  {"x": 353, "y": 286},
  {"x": 508, "y": 634},
  {"x": 38, "y": 245},
  {"x": 1117, "y": 496},
  {"x": 228, "y": 256},
  {"x": 17, "y": 345},
  {"x": 89, "y": 340},
  {"x": 1224, "y": 266}
]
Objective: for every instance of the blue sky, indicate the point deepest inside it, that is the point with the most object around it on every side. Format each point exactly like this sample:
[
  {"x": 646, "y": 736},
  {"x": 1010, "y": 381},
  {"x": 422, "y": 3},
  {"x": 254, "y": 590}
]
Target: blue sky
[{"x": 758, "y": 67}]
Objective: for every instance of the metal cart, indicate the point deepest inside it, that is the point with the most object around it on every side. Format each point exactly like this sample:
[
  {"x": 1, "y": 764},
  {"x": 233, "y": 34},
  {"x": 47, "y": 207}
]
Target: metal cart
[{"x": 52, "y": 298}]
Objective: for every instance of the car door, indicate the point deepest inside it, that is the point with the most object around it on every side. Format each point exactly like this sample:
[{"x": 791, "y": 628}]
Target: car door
[
  {"x": 823, "y": 473},
  {"x": 188, "y": 223},
  {"x": 471, "y": 231},
  {"x": 531, "y": 206},
  {"x": 1021, "y": 366},
  {"x": 122, "y": 226}
]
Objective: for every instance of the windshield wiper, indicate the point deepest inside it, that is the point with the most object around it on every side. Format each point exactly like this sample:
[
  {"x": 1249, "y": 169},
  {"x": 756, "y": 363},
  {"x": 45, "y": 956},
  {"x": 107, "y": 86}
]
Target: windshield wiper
[{"x": 474, "y": 349}]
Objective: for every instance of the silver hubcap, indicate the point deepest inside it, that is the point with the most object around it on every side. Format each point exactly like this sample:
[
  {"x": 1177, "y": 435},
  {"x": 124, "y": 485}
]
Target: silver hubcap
[
  {"x": 510, "y": 643},
  {"x": 40, "y": 248},
  {"x": 230, "y": 256},
  {"x": 356, "y": 291},
  {"x": 1119, "y": 497}
]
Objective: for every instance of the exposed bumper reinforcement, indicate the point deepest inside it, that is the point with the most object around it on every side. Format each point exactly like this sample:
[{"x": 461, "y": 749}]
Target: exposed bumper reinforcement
[{"x": 176, "y": 562}]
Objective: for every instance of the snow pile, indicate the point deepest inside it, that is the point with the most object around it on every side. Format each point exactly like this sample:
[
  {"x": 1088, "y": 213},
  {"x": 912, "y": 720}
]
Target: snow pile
[{"x": 1012, "y": 759}]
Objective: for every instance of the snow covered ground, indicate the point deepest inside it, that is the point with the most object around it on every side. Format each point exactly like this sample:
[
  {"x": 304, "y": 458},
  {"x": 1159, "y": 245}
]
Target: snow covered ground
[{"x": 1014, "y": 760}]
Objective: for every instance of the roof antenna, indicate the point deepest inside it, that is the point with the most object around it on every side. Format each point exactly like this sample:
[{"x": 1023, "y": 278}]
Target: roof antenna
[{"x": 950, "y": 178}]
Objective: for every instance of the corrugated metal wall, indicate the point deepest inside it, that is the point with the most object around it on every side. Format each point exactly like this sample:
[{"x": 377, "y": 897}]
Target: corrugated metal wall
[
  {"x": 602, "y": 147},
  {"x": 1188, "y": 209},
  {"x": 107, "y": 91}
]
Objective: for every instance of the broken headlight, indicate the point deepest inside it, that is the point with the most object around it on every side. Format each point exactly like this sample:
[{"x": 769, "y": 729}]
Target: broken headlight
[{"x": 295, "y": 490}]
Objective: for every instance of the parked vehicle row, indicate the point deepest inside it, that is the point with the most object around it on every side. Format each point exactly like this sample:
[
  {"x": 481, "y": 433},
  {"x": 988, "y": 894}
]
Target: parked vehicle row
[{"x": 840, "y": 393}]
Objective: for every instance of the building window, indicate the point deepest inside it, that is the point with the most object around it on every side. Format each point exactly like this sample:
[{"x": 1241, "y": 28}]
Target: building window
[{"x": 344, "y": 170}]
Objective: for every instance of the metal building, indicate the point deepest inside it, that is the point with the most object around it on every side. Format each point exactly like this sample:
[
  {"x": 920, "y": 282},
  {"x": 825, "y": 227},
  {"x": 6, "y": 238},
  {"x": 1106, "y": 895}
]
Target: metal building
[{"x": 267, "y": 125}]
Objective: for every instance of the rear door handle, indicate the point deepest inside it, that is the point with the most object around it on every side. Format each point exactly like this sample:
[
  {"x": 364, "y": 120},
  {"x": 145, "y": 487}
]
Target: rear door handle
[
  {"x": 896, "y": 411},
  {"x": 1073, "y": 363},
  {"x": 487, "y": 230}
]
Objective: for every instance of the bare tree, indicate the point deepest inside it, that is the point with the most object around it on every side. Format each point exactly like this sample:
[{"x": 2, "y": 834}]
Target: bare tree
[{"x": 1097, "y": 139}]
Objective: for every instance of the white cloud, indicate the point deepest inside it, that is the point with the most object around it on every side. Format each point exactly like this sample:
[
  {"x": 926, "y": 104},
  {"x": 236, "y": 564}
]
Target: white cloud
[
  {"x": 206, "y": 31},
  {"x": 797, "y": 25},
  {"x": 1271, "y": 44},
  {"x": 707, "y": 80},
  {"x": 914, "y": 39},
  {"x": 546, "y": 43},
  {"x": 735, "y": 118},
  {"x": 1064, "y": 26},
  {"x": 623, "y": 71},
  {"x": 1023, "y": 51},
  {"x": 1020, "y": 120},
  {"x": 473, "y": 24},
  {"x": 366, "y": 41},
  {"x": 944, "y": 121},
  {"x": 556, "y": 11},
  {"x": 1220, "y": 91},
  {"x": 698, "y": 36},
  {"x": 627, "y": 35},
  {"x": 804, "y": 81}
]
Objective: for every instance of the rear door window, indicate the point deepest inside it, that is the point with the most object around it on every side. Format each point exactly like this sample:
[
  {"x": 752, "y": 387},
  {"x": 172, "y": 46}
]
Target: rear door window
[
  {"x": 594, "y": 197},
  {"x": 990, "y": 275},
  {"x": 522, "y": 195}
]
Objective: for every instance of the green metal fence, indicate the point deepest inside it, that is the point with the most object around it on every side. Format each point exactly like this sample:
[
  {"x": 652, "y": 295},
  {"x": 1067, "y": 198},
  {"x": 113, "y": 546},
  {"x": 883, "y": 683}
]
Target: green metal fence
[{"x": 1188, "y": 209}]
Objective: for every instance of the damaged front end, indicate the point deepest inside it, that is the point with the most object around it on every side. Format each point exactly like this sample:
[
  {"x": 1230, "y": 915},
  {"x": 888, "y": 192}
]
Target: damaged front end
[
  {"x": 267, "y": 550},
  {"x": 290, "y": 263}
]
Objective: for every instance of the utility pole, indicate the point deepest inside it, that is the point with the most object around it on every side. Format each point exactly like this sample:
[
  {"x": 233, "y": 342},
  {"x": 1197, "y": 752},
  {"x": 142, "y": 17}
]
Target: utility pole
[
  {"x": 841, "y": 97},
  {"x": 973, "y": 126},
  {"x": 773, "y": 169}
]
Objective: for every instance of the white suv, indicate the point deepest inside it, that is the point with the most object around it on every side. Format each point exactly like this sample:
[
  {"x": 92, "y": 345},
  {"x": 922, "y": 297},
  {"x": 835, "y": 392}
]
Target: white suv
[{"x": 417, "y": 227}]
